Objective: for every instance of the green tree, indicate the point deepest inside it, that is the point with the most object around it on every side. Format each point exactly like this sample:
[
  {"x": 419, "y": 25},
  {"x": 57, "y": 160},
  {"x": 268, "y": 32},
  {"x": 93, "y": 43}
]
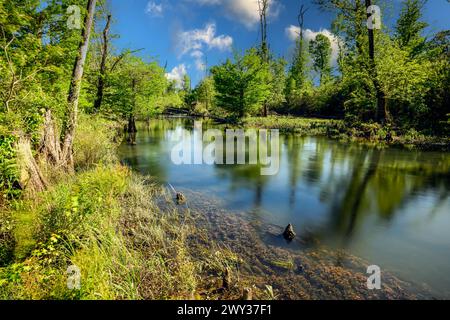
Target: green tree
[
  {"x": 243, "y": 84},
  {"x": 409, "y": 28},
  {"x": 136, "y": 90},
  {"x": 203, "y": 97},
  {"x": 297, "y": 78},
  {"x": 320, "y": 49}
]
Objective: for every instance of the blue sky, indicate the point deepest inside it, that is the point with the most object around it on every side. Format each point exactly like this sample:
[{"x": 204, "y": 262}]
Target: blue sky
[{"x": 186, "y": 33}]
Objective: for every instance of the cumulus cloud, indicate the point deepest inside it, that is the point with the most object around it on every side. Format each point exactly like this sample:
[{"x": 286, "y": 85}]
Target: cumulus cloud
[
  {"x": 177, "y": 74},
  {"x": 154, "y": 9},
  {"x": 194, "y": 42},
  {"x": 198, "y": 39},
  {"x": 244, "y": 11},
  {"x": 293, "y": 33}
]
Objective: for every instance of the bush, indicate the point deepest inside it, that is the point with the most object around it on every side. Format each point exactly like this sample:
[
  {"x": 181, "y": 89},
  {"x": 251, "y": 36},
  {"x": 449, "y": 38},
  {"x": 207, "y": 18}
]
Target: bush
[
  {"x": 96, "y": 142},
  {"x": 6, "y": 239},
  {"x": 8, "y": 168}
]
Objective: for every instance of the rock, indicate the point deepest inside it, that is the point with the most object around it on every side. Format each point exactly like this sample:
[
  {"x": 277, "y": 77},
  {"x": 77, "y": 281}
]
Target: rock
[
  {"x": 226, "y": 279},
  {"x": 181, "y": 199},
  {"x": 247, "y": 294},
  {"x": 289, "y": 233}
]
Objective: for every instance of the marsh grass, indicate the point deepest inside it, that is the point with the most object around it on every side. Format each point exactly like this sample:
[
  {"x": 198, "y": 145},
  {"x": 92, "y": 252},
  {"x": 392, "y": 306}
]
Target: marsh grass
[
  {"x": 107, "y": 222},
  {"x": 365, "y": 133}
]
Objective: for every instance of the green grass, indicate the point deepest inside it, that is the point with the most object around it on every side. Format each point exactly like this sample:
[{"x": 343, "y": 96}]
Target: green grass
[
  {"x": 106, "y": 222},
  {"x": 296, "y": 125},
  {"x": 362, "y": 132}
]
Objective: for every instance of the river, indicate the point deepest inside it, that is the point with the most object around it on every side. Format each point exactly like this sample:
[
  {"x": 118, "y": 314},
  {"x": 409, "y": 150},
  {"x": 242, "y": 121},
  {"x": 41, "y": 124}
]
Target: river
[{"x": 388, "y": 206}]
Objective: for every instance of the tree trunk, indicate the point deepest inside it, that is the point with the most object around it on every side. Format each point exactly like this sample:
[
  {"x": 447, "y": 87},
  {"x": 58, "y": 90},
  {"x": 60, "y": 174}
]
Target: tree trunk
[
  {"x": 31, "y": 178},
  {"x": 131, "y": 130},
  {"x": 102, "y": 75},
  {"x": 381, "y": 106},
  {"x": 70, "y": 123},
  {"x": 263, "y": 7},
  {"x": 50, "y": 146}
]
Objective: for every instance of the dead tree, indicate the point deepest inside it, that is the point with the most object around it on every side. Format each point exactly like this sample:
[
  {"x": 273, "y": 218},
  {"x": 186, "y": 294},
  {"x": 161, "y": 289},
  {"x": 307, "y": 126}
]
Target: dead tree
[
  {"x": 70, "y": 122},
  {"x": 301, "y": 23},
  {"x": 263, "y": 6},
  {"x": 102, "y": 75}
]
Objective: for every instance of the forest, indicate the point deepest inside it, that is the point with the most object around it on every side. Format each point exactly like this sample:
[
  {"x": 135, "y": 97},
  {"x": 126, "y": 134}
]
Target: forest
[{"x": 69, "y": 98}]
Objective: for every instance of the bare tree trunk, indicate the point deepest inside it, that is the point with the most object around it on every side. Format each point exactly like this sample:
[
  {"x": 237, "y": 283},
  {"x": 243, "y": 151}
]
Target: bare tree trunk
[
  {"x": 31, "y": 177},
  {"x": 263, "y": 7},
  {"x": 75, "y": 87},
  {"x": 131, "y": 128},
  {"x": 381, "y": 100},
  {"x": 50, "y": 146},
  {"x": 102, "y": 75}
]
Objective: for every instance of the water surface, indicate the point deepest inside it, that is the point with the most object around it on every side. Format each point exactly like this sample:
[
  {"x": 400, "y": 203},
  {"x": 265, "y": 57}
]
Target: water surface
[{"x": 388, "y": 206}]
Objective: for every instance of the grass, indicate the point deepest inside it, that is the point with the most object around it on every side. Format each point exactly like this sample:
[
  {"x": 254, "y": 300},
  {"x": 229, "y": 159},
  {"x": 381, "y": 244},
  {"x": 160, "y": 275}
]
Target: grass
[
  {"x": 126, "y": 235},
  {"x": 362, "y": 132},
  {"x": 297, "y": 125},
  {"x": 106, "y": 222}
]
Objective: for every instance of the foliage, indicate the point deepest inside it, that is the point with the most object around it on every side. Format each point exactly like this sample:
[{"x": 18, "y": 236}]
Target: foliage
[
  {"x": 136, "y": 87},
  {"x": 202, "y": 100},
  {"x": 242, "y": 85},
  {"x": 8, "y": 168},
  {"x": 96, "y": 142},
  {"x": 320, "y": 49}
]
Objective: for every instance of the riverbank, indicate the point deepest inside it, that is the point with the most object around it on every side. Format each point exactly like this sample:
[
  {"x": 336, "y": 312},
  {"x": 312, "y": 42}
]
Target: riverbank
[
  {"x": 130, "y": 240},
  {"x": 368, "y": 133},
  {"x": 107, "y": 223},
  {"x": 124, "y": 234}
]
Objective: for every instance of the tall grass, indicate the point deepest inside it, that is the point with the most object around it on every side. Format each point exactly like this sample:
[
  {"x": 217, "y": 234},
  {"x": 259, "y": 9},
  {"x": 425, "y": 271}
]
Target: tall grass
[{"x": 107, "y": 223}]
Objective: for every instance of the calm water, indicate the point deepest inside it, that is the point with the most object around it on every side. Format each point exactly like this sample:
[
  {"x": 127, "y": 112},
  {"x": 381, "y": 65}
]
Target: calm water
[{"x": 388, "y": 206}]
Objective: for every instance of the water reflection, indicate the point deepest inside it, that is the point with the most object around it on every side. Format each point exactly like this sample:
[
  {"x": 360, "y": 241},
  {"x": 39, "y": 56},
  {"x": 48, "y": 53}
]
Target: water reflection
[{"x": 389, "y": 206}]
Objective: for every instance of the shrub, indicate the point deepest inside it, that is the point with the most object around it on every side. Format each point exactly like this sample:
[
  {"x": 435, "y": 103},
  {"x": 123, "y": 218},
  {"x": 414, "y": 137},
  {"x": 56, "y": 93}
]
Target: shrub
[
  {"x": 95, "y": 142},
  {"x": 8, "y": 168}
]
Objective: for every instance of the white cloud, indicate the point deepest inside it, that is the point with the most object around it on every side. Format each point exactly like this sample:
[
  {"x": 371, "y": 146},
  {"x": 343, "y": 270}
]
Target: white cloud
[
  {"x": 197, "y": 54},
  {"x": 198, "y": 39},
  {"x": 154, "y": 9},
  {"x": 177, "y": 75},
  {"x": 293, "y": 33},
  {"x": 194, "y": 42},
  {"x": 245, "y": 11}
]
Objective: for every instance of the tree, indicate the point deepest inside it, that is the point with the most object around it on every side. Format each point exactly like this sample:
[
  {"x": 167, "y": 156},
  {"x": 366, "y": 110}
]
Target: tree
[
  {"x": 298, "y": 69},
  {"x": 203, "y": 97},
  {"x": 277, "y": 83},
  {"x": 360, "y": 43},
  {"x": 186, "y": 84},
  {"x": 297, "y": 79},
  {"x": 408, "y": 31},
  {"x": 135, "y": 90},
  {"x": 102, "y": 72},
  {"x": 320, "y": 49},
  {"x": 70, "y": 121},
  {"x": 263, "y": 6},
  {"x": 242, "y": 85}
]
